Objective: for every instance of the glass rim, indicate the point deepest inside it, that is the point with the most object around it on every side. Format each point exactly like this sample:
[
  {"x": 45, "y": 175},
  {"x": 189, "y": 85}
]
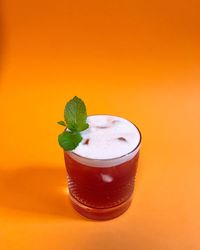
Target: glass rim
[{"x": 115, "y": 158}]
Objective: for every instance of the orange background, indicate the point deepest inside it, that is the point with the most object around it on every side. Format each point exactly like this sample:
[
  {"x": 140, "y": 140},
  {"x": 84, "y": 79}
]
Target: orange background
[{"x": 137, "y": 59}]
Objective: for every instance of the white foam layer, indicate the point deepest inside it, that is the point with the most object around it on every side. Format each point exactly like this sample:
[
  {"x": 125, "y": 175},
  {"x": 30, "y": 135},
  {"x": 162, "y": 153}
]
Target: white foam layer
[{"x": 109, "y": 141}]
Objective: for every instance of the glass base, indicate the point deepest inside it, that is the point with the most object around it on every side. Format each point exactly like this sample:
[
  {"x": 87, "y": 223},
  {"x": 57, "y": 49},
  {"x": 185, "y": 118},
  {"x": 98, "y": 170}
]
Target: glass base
[{"x": 99, "y": 213}]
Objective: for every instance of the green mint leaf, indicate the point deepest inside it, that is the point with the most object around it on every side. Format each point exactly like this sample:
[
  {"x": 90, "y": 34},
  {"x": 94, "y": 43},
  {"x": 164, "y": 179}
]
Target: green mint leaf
[
  {"x": 62, "y": 123},
  {"x": 69, "y": 140},
  {"x": 75, "y": 115},
  {"x": 75, "y": 121}
]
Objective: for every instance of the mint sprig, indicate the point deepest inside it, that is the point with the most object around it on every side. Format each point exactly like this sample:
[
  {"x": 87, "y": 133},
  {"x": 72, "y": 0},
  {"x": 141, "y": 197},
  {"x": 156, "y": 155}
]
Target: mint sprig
[
  {"x": 69, "y": 140},
  {"x": 75, "y": 116}
]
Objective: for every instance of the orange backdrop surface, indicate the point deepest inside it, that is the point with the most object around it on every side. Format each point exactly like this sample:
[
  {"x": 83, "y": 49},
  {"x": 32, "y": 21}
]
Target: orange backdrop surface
[{"x": 136, "y": 59}]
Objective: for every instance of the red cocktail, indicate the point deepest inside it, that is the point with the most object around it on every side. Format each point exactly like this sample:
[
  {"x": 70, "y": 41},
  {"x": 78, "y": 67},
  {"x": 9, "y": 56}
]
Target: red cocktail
[
  {"x": 101, "y": 193},
  {"x": 102, "y": 188}
]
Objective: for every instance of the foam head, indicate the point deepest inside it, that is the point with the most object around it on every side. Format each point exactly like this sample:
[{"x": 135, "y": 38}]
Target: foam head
[{"x": 109, "y": 141}]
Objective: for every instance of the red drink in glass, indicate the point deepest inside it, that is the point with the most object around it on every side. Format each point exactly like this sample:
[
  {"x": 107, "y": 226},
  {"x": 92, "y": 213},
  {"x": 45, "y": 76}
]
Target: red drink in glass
[{"x": 102, "y": 188}]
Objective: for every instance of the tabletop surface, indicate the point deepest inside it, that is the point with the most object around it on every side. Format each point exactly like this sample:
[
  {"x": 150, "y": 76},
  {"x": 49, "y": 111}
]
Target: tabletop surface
[{"x": 135, "y": 59}]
